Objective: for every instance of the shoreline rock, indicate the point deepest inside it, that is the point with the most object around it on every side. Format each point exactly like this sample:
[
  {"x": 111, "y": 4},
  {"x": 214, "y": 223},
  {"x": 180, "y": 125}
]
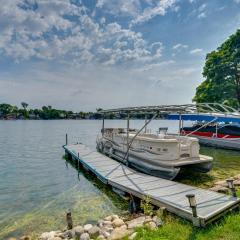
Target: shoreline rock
[{"x": 110, "y": 228}]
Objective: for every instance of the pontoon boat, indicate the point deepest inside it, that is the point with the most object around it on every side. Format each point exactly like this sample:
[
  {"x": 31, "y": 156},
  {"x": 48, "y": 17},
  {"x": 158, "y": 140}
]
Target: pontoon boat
[{"x": 160, "y": 154}]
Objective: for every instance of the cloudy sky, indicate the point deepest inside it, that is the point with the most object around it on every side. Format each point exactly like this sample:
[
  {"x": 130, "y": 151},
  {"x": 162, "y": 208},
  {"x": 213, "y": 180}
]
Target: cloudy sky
[{"x": 84, "y": 54}]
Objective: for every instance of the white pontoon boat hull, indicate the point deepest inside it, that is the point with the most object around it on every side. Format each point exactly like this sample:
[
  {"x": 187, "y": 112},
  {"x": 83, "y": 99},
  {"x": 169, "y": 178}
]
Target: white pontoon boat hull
[{"x": 148, "y": 162}]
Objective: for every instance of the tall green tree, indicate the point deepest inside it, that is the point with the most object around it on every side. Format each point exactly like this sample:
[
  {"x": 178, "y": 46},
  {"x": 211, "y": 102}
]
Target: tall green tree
[{"x": 222, "y": 74}]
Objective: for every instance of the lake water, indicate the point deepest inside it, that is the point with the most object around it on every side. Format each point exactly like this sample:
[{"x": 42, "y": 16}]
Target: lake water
[{"x": 37, "y": 185}]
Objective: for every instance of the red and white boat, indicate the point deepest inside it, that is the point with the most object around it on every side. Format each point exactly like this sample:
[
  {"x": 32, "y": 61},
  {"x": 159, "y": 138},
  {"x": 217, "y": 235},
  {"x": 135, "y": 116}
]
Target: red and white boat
[
  {"x": 216, "y": 135},
  {"x": 214, "y": 125}
]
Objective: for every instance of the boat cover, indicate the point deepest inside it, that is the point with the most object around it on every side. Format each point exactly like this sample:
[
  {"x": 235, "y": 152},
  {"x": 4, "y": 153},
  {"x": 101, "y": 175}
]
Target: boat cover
[{"x": 205, "y": 117}]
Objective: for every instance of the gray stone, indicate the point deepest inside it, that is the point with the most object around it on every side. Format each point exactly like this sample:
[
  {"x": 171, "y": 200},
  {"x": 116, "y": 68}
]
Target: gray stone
[
  {"x": 147, "y": 219},
  {"x": 101, "y": 237},
  {"x": 137, "y": 222},
  {"x": 100, "y": 223},
  {"x": 107, "y": 229},
  {"x": 47, "y": 235},
  {"x": 69, "y": 234},
  {"x": 221, "y": 183},
  {"x": 87, "y": 227},
  {"x": 114, "y": 217},
  {"x": 158, "y": 221},
  {"x": 94, "y": 231},
  {"x": 118, "y": 222},
  {"x": 119, "y": 233},
  {"x": 85, "y": 236},
  {"x": 152, "y": 225},
  {"x": 108, "y": 218},
  {"x": 219, "y": 189},
  {"x": 107, "y": 223},
  {"x": 237, "y": 182},
  {"x": 78, "y": 231},
  {"x": 106, "y": 234}
]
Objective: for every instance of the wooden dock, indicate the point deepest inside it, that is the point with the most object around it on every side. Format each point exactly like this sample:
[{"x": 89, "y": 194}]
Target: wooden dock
[{"x": 166, "y": 193}]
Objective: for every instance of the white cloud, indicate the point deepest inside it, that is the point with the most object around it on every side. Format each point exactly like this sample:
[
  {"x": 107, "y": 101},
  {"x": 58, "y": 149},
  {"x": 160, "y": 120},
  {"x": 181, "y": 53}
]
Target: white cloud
[
  {"x": 120, "y": 7},
  {"x": 63, "y": 30},
  {"x": 236, "y": 1},
  {"x": 202, "y": 15},
  {"x": 179, "y": 46},
  {"x": 139, "y": 11},
  {"x": 196, "y": 51},
  {"x": 158, "y": 9},
  {"x": 202, "y": 11}
]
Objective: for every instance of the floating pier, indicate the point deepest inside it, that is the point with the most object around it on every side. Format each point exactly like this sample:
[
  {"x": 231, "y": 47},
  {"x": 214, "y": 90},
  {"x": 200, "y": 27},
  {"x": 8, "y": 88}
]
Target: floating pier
[{"x": 163, "y": 193}]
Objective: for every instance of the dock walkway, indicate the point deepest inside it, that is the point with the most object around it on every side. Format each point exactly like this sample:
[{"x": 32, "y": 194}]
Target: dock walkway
[{"x": 170, "y": 194}]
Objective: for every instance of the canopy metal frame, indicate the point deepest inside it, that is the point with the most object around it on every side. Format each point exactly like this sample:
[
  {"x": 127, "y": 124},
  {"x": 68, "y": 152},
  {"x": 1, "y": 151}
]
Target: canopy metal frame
[{"x": 214, "y": 108}]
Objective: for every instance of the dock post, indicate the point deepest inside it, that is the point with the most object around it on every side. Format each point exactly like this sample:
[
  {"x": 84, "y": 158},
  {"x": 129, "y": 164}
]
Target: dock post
[
  {"x": 66, "y": 139},
  {"x": 145, "y": 129},
  {"x": 134, "y": 204},
  {"x": 231, "y": 186},
  {"x": 128, "y": 116},
  {"x": 193, "y": 204},
  {"x": 69, "y": 220},
  {"x": 180, "y": 124},
  {"x": 103, "y": 124}
]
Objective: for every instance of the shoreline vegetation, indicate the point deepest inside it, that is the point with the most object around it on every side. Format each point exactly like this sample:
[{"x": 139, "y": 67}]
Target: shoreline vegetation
[{"x": 12, "y": 112}]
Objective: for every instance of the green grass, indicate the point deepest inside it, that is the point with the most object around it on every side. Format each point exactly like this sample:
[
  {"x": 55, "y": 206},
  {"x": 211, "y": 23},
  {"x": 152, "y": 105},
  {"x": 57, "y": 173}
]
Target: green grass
[{"x": 176, "y": 229}]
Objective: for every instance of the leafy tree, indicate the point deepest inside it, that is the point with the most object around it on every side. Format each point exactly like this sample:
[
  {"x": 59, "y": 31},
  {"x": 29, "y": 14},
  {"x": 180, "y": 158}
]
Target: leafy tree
[
  {"x": 7, "y": 109},
  {"x": 24, "y": 105},
  {"x": 222, "y": 74}
]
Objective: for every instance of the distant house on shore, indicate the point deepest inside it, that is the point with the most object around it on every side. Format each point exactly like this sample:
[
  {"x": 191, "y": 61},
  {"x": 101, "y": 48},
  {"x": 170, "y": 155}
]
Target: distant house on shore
[
  {"x": 33, "y": 116},
  {"x": 10, "y": 116}
]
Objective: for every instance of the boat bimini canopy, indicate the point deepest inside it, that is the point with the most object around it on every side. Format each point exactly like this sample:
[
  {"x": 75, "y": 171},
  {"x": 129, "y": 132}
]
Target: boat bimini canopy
[{"x": 209, "y": 112}]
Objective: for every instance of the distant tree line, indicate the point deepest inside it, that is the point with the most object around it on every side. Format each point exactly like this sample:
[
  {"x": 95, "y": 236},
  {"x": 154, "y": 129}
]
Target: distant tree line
[
  {"x": 11, "y": 112},
  {"x": 8, "y": 111}
]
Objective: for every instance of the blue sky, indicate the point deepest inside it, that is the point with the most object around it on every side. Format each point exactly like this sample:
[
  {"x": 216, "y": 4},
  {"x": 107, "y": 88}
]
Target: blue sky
[{"x": 84, "y": 54}]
